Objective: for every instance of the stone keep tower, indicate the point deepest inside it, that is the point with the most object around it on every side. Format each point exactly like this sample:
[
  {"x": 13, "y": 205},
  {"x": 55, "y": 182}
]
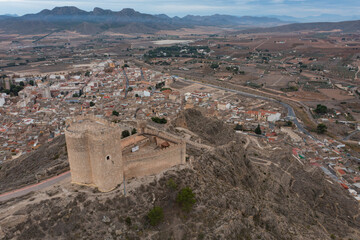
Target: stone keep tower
[{"x": 94, "y": 152}]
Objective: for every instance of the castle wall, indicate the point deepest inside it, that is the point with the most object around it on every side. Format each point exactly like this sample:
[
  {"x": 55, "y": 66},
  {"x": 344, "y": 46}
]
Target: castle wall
[
  {"x": 139, "y": 165},
  {"x": 95, "y": 156},
  {"x": 77, "y": 148},
  {"x": 131, "y": 140},
  {"x": 95, "y": 153},
  {"x": 106, "y": 160},
  {"x": 163, "y": 135}
]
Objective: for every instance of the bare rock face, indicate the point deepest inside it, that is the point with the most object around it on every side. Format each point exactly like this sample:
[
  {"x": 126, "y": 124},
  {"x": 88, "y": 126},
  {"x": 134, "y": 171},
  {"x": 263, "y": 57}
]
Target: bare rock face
[
  {"x": 212, "y": 131},
  {"x": 236, "y": 198}
]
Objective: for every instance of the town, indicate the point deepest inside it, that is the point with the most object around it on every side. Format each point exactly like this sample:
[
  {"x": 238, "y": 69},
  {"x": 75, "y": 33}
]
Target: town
[{"x": 121, "y": 92}]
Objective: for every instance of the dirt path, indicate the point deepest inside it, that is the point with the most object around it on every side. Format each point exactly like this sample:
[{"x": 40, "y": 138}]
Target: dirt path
[
  {"x": 274, "y": 84},
  {"x": 260, "y": 44}
]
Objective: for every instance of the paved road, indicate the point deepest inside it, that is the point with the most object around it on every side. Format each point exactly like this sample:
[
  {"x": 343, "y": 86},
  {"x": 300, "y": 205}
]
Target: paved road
[
  {"x": 351, "y": 134},
  {"x": 36, "y": 187},
  {"x": 291, "y": 113}
]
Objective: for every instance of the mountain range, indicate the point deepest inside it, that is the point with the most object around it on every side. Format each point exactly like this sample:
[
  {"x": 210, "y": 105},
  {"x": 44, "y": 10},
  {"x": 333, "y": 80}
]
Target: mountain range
[
  {"x": 99, "y": 20},
  {"x": 346, "y": 27},
  {"x": 319, "y": 18},
  {"x": 130, "y": 21}
]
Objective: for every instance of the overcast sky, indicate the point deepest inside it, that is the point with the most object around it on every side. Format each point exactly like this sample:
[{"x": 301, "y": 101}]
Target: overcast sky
[{"x": 297, "y": 8}]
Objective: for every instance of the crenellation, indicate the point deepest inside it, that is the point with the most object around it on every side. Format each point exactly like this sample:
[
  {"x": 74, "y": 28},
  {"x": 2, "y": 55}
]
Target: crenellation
[{"x": 99, "y": 157}]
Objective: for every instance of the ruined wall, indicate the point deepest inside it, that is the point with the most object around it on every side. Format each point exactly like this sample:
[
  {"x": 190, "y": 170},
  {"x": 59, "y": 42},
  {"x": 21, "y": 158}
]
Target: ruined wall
[{"x": 138, "y": 165}]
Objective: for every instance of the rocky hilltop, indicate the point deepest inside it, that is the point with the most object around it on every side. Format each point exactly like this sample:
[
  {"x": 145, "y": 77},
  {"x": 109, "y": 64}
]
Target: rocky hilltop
[{"x": 244, "y": 189}]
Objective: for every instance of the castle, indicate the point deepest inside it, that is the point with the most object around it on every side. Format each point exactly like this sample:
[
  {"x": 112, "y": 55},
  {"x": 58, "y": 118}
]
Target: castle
[{"x": 99, "y": 157}]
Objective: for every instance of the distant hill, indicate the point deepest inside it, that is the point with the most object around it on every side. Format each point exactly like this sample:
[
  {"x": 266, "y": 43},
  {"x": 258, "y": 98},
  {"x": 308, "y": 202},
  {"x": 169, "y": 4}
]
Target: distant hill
[
  {"x": 99, "y": 20},
  {"x": 6, "y": 16},
  {"x": 319, "y": 18},
  {"x": 348, "y": 26}
]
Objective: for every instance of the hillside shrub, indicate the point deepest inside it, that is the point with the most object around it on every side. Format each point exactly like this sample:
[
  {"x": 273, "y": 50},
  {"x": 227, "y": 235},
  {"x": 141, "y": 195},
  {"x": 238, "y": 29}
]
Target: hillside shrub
[
  {"x": 155, "y": 216},
  {"x": 125, "y": 134},
  {"x": 186, "y": 199},
  {"x": 171, "y": 184},
  {"x": 321, "y": 128},
  {"x": 258, "y": 130},
  {"x": 159, "y": 120}
]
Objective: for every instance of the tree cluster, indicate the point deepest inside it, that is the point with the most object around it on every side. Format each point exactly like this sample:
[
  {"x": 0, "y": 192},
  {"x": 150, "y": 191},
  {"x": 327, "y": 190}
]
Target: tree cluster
[
  {"x": 321, "y": 109},
  {"x": 159, "y": 120}
]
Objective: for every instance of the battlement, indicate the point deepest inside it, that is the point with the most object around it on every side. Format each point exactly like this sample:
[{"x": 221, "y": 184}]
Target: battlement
[
  {"x": 95, "y": 151},
  {"x": 90, "y": 117},
  {"x": 162, "y": 134},
  {"x": 90, "y": 125}
]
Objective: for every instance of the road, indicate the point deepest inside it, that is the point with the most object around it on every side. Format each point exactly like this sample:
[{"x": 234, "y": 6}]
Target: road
[
  {"x": 350, "y": 135},
  {"x": 356, "y": 74},
  {"x": 291, "y": 113},
  {"x": 49, "y": 182},
  {"x": 36, "y": 187}
]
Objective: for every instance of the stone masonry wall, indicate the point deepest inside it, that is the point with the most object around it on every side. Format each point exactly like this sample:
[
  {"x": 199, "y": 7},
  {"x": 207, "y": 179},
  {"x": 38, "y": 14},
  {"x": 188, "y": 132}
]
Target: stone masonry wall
[
  {"x": 96, "y": 156},
  {"x": 139, "y": 165},
  {"x": 79, "y": 159}
]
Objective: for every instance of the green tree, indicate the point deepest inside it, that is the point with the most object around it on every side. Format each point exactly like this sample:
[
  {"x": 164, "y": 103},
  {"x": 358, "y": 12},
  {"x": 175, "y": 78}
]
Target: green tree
[
  {"x": 155, "y": 216},
  {"x": 160, "y": 85},
  {"x": 75, "y": 95},
  {"x": 125, "y": 134},
  {"x": 115, "y": 113},
  {"x": 321, "y": 109},
  {"x": 31, "y": 82},
  {"x": 22, "y": 84},
  {"x": 87, "y": 74},
  {"x": 133, "y": 131},
  {"x": 14, "y": 89},
  {"x": 92, "y": 104},
  {"x": 238, "y": 127},
  {"x": 171, "y": 184},
  {"x": 258, "y": 130},
  {"x": 214, "y": 65},
  {"x": 321, "y": 128},
  {"x": 159, "y": 120},
  {"x": 186, "y": 199}
]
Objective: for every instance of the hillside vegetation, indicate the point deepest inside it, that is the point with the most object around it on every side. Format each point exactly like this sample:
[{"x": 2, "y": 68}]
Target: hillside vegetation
[{"x": 230, "y": 193}]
